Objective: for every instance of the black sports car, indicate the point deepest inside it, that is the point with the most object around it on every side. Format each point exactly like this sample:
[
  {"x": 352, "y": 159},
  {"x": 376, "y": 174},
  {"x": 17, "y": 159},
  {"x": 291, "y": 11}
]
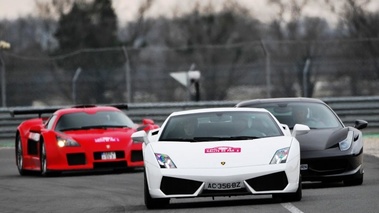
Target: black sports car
[{"x": 330, "y": 151}]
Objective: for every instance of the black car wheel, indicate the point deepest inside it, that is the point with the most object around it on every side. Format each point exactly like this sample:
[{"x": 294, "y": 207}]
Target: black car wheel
[{"x": 354, "y": 182}]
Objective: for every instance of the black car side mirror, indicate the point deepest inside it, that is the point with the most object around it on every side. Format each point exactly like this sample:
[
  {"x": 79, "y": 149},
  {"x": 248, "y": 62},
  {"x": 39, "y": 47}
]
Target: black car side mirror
[{"x": 360, "y": 124}]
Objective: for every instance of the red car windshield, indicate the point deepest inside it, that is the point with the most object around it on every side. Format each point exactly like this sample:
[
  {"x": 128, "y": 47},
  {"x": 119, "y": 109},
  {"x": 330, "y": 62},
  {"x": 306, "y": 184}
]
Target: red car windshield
[{"x": 102, "y": 119}]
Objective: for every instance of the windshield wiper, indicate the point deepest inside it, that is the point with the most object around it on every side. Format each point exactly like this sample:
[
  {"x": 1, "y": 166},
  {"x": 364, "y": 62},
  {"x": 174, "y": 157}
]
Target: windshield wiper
[
  {"x": 69, "y": 129},
  {"x": 218, "y": 138},
  {"x": 225, "y": 138},
  {"x": 179, "y": 139},
  {"x": 244, "y": 137},
  {"x": 94, "y": 127},
  {"x": 103, "y": 126}
]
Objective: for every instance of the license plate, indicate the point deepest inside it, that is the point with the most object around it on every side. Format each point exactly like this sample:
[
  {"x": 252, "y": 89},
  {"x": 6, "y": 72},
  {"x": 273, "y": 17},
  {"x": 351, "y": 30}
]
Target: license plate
[
  {"x": 108, "y": 155},
  {"x": 223, "y": 186},
  {"x": 304, "y": 167}
]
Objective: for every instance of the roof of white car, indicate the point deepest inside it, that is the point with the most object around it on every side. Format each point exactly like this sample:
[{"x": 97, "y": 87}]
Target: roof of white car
[{"x": 223, "y": 109}]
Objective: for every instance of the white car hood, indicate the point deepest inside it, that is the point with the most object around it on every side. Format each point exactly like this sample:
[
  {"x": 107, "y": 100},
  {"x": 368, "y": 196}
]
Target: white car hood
[{"x": 222, "y": 154}]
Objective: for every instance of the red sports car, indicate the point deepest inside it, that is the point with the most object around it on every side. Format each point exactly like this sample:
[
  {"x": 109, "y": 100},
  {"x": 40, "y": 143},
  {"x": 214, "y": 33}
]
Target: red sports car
[{"x": 78, "y": 138}]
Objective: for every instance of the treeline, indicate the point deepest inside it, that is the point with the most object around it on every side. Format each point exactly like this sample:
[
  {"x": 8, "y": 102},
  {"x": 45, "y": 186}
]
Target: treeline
[{"x": 291, "y": 55}]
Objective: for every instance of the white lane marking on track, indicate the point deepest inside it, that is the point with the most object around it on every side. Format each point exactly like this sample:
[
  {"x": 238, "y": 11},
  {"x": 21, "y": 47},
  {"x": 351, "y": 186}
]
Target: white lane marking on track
[
  {"x": 291, "y": 208},
  {"x": 6, "y": 148}
]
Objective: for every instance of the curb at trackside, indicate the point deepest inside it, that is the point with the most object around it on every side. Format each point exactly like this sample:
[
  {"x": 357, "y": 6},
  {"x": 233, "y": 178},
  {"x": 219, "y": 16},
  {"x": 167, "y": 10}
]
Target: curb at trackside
[
  {"x": 6, "y": 148},
  {"x": 366, "y": 136}
]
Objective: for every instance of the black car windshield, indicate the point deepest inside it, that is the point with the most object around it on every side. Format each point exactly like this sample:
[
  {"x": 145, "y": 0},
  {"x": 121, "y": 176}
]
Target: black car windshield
[
  {"x": 102, "y": 119},
  {"x": 218, "y": 126},
  {"x": 314, "y": 115}
]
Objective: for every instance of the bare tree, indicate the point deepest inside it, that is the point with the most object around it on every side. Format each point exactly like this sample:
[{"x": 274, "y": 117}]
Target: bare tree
[
  {"x": 294, "y": 48},
  {"x": 209, "y": 39},
  {"x": 357, "y": 23}
]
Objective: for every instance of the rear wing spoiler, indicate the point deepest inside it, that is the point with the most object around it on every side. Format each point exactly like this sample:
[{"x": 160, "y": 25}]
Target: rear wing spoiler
[
  {"x": 28, "y": 111},
  {"x": 49, "y": 110}
]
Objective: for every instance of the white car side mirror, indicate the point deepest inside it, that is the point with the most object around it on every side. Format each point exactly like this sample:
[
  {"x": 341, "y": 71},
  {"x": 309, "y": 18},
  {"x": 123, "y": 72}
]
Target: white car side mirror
[
  {"x": 300, "y": 129},
  {"x": 139, "y": 137}
]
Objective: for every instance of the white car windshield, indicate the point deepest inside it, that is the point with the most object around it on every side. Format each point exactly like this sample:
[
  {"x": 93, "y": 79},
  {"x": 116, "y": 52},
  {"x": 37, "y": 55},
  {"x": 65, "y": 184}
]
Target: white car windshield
[{"x": 216, "y": 126}]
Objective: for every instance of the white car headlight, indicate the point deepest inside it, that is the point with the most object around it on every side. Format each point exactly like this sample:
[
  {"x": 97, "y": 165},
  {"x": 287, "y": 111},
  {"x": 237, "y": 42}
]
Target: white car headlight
[
  {"x": 165, "y": 161},
  {"x": 65, "y": 142},
  {"x": 346, "y": 143},
  {"x": 280, "y": 156}
]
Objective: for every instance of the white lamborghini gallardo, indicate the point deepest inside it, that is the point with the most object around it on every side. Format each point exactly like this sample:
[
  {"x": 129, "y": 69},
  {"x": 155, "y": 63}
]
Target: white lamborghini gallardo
[{"x": 220, "y": 152}]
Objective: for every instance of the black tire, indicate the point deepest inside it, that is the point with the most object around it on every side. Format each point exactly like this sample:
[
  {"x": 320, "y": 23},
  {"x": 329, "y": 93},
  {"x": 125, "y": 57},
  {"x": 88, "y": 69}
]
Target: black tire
[
  {"x": 123, "y": 170},
  {"x": 291, "y": 197},
  {"x": 354, "y": 182},
  {"x": 43, "y": 161},
  {"x": 20, "y": 157},
  {"x": 153, "y": 203}
]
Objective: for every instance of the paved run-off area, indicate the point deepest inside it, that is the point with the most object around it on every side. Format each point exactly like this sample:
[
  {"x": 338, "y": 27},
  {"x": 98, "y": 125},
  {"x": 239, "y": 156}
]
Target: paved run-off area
[{"x": 371, "y": 144}]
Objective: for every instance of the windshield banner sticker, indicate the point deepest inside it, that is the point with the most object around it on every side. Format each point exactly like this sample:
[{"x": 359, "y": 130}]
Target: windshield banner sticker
[
  {"x": 106, "y": 139},
  {"x": 223, "y": 149}
]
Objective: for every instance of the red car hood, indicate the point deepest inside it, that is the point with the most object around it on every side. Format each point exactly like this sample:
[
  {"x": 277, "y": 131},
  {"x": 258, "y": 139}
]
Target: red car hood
[{"x": 101, "y": 136}]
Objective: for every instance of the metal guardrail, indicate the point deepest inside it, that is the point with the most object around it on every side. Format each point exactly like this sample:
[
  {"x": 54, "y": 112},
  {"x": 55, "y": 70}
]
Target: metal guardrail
[{"x": 348, "y": 108}]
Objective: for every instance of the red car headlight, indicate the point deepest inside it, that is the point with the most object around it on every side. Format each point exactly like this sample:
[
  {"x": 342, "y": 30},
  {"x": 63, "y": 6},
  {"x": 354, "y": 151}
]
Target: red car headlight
[{"x": 65, "y": 142}]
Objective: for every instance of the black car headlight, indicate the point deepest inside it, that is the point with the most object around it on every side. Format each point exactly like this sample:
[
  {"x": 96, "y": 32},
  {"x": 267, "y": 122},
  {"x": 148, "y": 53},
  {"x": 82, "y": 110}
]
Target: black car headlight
[{"x": 345, "y": 144}]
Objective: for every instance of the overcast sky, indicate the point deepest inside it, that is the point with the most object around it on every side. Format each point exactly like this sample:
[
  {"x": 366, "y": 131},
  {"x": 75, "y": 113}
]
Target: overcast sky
[
  {"x": 127, "y": 9},
  {"x": 13, "y": 8}
]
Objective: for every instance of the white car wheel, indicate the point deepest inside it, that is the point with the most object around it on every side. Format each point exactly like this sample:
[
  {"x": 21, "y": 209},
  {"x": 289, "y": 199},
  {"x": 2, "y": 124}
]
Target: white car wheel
[{"x": 153, "y": 203}]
